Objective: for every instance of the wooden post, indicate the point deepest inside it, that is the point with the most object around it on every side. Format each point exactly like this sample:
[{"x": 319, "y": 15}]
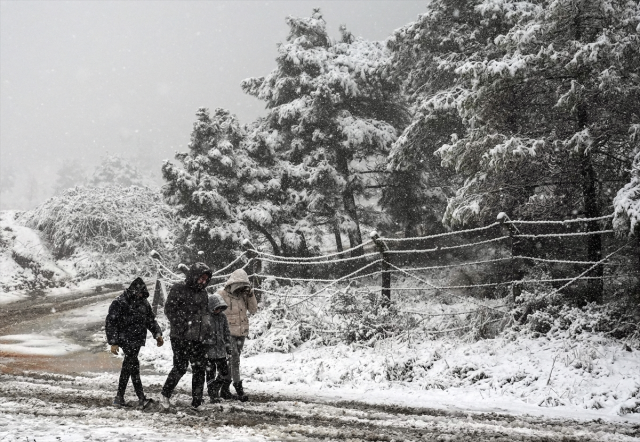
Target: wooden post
[
  {"x": 516, "y": 288},
  {"x": 386, "y": 274},
  {"x": 158, "y": 298}
]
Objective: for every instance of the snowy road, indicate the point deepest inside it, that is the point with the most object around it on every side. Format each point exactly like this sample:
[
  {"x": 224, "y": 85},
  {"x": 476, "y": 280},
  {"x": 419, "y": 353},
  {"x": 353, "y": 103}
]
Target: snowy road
[
  {"x": 57, "y": 383},
  {"x": 57, "y": 407}
]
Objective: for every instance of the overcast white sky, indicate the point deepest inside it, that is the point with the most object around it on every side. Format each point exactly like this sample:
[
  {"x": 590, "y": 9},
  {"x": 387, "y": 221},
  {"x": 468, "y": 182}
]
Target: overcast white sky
[{"x": 82, "y": 78}]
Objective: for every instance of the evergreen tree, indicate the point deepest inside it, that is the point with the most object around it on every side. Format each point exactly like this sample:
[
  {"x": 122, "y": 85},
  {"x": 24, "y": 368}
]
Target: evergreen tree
[
  {"x": 206, "y": 186},
  {"x": 425, "y": 54},
  {"x": 547, "y": 103},
  {"x": 230, "y": 187},
  {"x": 114, "y": 169},
  {"x": 333, "y": 111},
  {"x": 627, "y": 204},
  {"x": 70, "y": 174}
]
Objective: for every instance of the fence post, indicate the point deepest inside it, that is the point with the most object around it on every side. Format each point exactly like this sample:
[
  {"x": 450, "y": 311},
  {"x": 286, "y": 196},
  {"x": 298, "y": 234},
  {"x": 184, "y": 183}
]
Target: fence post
[
  {"x": 386, "y": 274},
  {"x": 158, "y": 298},
  {"x": 254, "y": 266},
  {"x": 516, "y": 288}
]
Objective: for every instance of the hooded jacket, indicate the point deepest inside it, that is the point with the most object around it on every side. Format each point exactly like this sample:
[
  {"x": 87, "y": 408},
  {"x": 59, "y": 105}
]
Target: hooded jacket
[
  {"x": 220, "y": 339},
  {"x": 238, "y": 306},
  {"x": 130, "y": 316},
  {"x": 187, "y": 306}
]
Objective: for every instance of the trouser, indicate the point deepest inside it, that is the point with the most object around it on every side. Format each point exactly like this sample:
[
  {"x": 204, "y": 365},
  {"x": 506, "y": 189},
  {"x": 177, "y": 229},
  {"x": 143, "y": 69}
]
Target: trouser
[
  {"x": 237, "y": 342},
  {"x": 130, "y": 369},
  {"x": 185, "y": 352},
  {"x": 213, "y": 365}
]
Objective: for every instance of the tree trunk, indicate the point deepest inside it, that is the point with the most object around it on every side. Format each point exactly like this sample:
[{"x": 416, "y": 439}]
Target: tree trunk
[
  {"x": 336, "y": 233},
  {"x": 349, "y": 202},
  {"x": 594, "y": 242},
  {"x": 355, "y": 237},
  {"x": 265, "y": 232}
]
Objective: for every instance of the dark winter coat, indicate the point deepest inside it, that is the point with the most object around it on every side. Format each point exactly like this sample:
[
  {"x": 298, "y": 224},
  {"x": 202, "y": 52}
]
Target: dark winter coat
[
  {"x": 187, "y": 306},
  {"x": 130, "y": 316},
  {"x": 220, "y": 340}
]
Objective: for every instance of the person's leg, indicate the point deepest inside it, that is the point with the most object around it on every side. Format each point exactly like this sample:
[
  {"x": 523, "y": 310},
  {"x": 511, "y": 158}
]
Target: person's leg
[
  {"x": 236, "y": 350},
  {"x": 210, "y": 377},
  {"x": 237, "y": 342},
  {"x": 223, "y": 368},
  {"x": 132, "y": 353},
  {"x": 197, "y": 358},
  {"x": 125, "y": 374},
  {"x": 180, "y": 364}
]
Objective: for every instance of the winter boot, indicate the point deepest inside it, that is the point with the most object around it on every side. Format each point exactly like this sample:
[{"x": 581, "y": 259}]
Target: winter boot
[
  {"x": 164, "y": 401},
  {"x": 238, "y": 386},
  {"x": 225, "y": 393},
  {"x": 214, "y": 393},
  {"x": 144, "y": 403},
  {"x": 119, "y": 401}
]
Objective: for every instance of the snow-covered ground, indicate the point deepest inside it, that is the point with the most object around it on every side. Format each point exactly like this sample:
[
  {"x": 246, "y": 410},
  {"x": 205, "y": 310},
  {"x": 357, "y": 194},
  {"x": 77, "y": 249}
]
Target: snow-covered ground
[
  {"x": 59, "y": 379},
  {"x": 498, "y": 389}
]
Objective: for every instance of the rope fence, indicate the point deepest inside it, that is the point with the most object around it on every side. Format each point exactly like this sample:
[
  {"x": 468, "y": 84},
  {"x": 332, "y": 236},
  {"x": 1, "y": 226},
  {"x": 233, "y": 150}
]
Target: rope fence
[{"x": 385, "y": 265}]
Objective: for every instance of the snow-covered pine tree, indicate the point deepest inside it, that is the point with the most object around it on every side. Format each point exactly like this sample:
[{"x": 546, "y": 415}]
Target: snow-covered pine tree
[
  {"x": 205, "y": 188},
  {"x": 548, "y": 107},
  {"x": 550, "y": 119},
  {"x": 334, "y": 112},
  {"x": 626, "y": 204},
  {"x": 424, "y": 57},
  {"x": 70, "y": 174},
  {"x": 229, "y": 187},
  {"x": 116, "y": 170},
  {"x": 277, "y": 202}
]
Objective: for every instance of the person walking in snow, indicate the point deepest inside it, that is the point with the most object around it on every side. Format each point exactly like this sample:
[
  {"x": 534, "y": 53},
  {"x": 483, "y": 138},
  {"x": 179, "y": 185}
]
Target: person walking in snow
[
  {"x": 187, "y": 308},
  {"x": 126, "y": 325},
  {"x": 219, "y": 346},
  {"x": 240, "y": 299}
]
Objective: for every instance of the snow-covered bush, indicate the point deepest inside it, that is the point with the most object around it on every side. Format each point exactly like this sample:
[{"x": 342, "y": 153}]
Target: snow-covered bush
[
  {"x": 363, "y": 316},
  {"x": 113, "y": 227},
  {"x": 616, "y": 320}
]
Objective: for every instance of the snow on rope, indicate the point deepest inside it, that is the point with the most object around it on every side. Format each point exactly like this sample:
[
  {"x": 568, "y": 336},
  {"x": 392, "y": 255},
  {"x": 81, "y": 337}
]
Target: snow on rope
[
  {"x": 410, "y": 312},
  {"x": 462, "y": 264},
  {"x": 353, "y": 258},
  {"x": 168, "y": 270},
  {"x": 312, "y": 258},
  {"x": 453, "y": 294},
  {"x": 440, "y": 235},
  {"x": 581, "y": 275},
  {"x": 557, "y": 235},
  {"x": 232, "y": 263},
  {"x": 461, "y": 246},
  {"x": 336, "y": 281},
  {"x": 260, "y": 275},
  {"x": 567, "y": 221},
  {"x": 558, "y": 261}
]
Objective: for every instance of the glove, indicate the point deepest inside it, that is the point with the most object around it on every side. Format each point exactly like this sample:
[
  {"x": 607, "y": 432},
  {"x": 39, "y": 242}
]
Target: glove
[
  {"x": 115, "y": 349},
  {"x": 160, "y": 341}
]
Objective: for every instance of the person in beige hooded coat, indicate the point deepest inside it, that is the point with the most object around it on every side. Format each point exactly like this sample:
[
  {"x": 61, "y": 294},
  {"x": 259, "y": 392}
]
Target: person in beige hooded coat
[{"x": 240, "y": 300}]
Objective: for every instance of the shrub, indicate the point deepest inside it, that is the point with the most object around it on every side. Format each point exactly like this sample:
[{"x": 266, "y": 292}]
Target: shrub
[{"x": 115, "y": 225}]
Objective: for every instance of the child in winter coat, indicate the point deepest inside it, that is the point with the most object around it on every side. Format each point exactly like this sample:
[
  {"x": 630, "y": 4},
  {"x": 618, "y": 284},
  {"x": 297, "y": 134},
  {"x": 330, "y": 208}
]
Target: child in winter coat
[{"x": 219, "y": 346}]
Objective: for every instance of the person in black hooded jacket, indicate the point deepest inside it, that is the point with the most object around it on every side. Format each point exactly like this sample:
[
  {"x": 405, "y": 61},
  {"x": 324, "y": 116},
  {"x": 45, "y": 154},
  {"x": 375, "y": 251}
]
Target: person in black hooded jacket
[
  {"x": 188, "y": 313},
  {"x": 126, "y": 325}
]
